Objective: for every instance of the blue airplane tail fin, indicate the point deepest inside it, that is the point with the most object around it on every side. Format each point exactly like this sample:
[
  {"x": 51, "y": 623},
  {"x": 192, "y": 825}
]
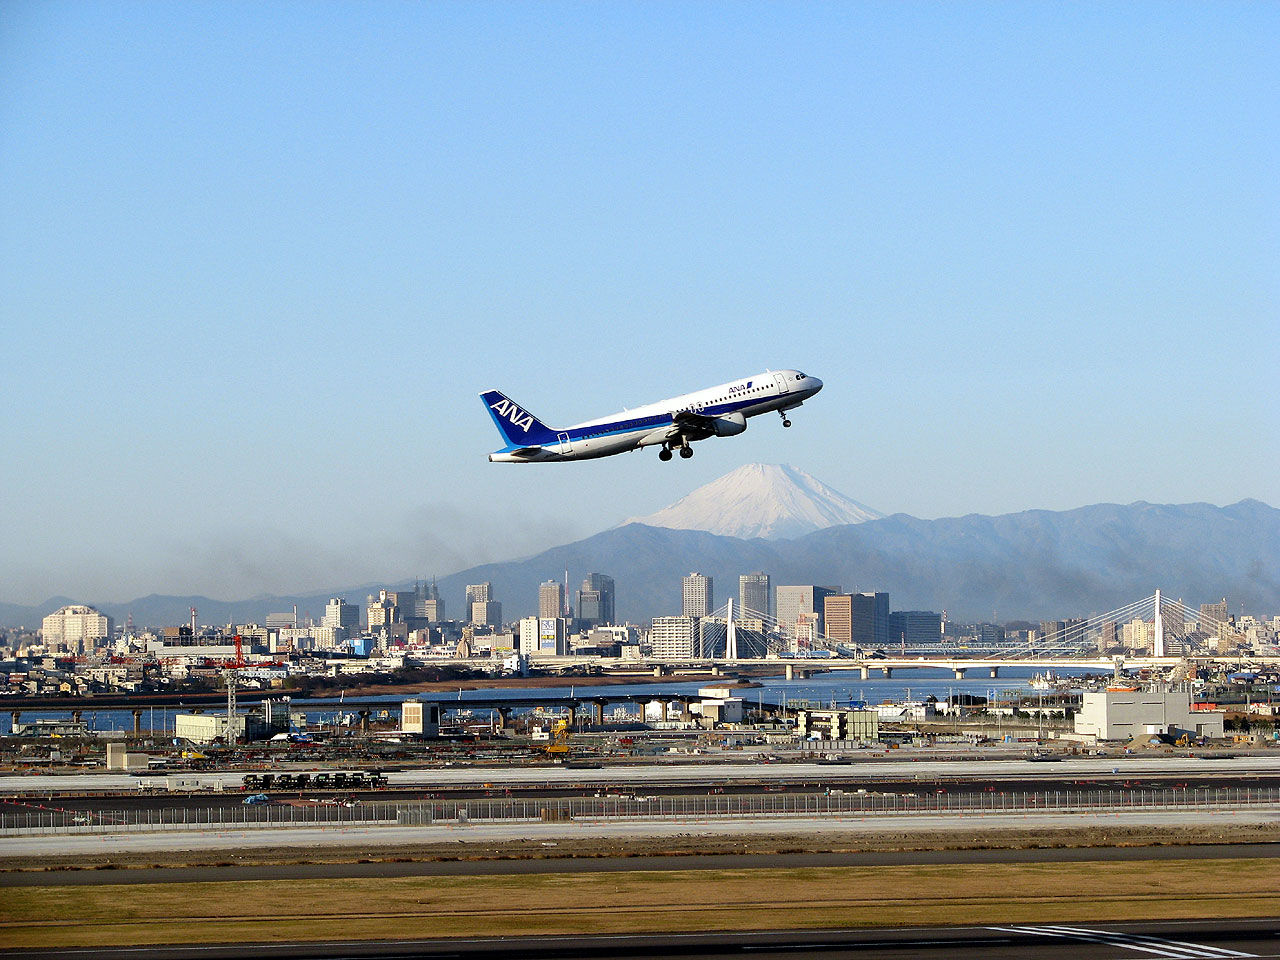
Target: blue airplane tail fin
[{"x": 518, "y": 426}]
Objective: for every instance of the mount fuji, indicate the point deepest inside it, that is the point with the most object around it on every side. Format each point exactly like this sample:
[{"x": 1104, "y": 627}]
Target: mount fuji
[{"x": 770, "y": 501}]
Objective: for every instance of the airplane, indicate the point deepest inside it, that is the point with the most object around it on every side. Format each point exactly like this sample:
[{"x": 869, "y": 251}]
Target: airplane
[{"x": 672, "y": 424}]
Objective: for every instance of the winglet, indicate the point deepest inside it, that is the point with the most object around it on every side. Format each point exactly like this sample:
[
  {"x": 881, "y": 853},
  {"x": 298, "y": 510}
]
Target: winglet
[{"x": 518, "y": 426}]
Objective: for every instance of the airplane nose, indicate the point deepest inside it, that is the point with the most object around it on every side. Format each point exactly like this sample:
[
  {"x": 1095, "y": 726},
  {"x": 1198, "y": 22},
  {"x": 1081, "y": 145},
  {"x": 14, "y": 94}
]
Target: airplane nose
[{"x": 814, "y": 384}]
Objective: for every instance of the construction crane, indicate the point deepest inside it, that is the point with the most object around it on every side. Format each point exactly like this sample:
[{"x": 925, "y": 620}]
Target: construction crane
[
  {"x": 229, "y": 668},
  {"x": 559, "y": 745}
]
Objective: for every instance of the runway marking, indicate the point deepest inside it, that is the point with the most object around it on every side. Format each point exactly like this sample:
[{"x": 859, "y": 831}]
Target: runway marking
[{"x": 1154, "y": 945}]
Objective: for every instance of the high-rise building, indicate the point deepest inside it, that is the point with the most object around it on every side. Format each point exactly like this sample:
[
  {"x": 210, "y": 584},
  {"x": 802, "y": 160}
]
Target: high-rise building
[
  {"x": 672, "y": 638},
  {"x": 338, "y": 613},
  {"x": 479, "y": 593},
  {"x": 1108, "y": 636},
  {"x": 837, "y": 612},
  {"x": 427, "y": 603},
  {"x": 528, "y": 635},
  {"x": 486, "y": 613},
  {"x": 1136, "y": 634},
  {"x": 753, "y": 595},
  {"x": 76, "y": 628},
  {"x": 1212, "y": 614},
  {"x": 596, "y": 601},
  {"x": 870, "y": 616},
  {"x": 792, "y": 601},
  {"x": 1061, "y": 633},
  {"x": 989, "y": 634},
  {"x": 917, "y": 628},
  {"x": 551, "y": 599},
  {"x": 698, "y": 598},
  {"x": 544, "y": 636},
  {"x": 384, "y": 610}
]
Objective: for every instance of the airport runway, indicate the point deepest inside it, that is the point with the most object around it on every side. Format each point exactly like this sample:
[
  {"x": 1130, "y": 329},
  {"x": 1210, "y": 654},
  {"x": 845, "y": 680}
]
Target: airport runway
[
  {"x": 1218, "y": 939},
  {"x": 383, "y": 837},
  {"x": 552, "y": 865}
]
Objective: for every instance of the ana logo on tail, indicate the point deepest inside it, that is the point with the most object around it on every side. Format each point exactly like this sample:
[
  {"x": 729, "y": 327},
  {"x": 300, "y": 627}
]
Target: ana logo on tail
[{"x": 517, "y": 417}]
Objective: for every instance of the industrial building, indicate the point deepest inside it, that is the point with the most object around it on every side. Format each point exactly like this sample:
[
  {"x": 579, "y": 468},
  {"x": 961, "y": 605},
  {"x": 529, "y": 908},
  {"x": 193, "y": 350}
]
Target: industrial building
[
  {"x": 262, "y": 723},
  {"x": 849, "y": 723},
  {"x": 418, "y": 717},
  {"x": 1121, "y": 713}
]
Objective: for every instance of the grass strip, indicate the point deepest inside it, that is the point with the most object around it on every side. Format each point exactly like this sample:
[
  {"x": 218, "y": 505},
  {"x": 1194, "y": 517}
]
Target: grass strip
[{"x": 643, "y": 901}]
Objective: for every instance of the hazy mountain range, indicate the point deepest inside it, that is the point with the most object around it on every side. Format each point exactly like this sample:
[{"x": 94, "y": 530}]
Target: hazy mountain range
[{"x": 1037, "y": 564}]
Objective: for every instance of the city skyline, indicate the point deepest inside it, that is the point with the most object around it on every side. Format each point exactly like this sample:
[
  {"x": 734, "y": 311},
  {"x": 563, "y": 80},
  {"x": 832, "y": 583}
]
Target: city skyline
[{"x": 1006, "y": 239}]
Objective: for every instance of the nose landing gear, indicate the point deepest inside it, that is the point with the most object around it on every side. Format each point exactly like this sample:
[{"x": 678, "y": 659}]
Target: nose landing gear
[{"x": 783, "y": 415}]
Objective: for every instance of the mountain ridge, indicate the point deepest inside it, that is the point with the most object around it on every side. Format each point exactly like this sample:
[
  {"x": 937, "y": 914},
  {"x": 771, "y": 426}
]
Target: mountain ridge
[{"x": 1034, "y": 564}]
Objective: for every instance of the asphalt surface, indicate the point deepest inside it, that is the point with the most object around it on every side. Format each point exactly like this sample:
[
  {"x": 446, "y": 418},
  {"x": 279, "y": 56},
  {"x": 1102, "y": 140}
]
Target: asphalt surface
[
  {"x": 551, "y": 864},
  {"x": 718, "y": 770},
  {"x": 816, "y": 830},
  {"x": 1075, "y": 941},
  {"x": 835, "y": 777}
]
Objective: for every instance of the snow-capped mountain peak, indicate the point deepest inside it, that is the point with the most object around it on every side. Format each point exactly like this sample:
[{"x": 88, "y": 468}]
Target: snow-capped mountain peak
[{"x": 774, "y": 501}]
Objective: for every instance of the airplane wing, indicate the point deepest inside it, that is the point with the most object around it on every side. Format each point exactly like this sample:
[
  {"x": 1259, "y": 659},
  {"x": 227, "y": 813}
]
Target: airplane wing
[{"x": 695, "y": 426}]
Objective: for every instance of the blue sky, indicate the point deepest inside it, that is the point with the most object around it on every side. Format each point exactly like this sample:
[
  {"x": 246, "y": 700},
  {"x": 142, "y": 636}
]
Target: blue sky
[{"x": 258, "y": 260}]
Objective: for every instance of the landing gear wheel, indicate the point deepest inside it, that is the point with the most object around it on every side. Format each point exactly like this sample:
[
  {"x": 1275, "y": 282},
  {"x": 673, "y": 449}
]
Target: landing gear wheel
[
  {"x": 686, "y": 452},
  {"x": 786, "y": 422},
  {"x": 664, "y": 454}
]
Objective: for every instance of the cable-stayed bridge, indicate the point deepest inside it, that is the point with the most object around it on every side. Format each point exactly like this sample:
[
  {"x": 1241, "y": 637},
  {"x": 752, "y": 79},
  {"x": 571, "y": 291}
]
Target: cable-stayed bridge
[{"x": 733, "y": 635}]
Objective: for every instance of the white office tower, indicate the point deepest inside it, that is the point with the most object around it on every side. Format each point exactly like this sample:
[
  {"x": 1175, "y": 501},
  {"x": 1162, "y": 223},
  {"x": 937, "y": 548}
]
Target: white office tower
[
  {"x": 76, "y": 628},
  {"x": 479, "y": 593},
  {"x": 753, "y": 595},
  {"x": 528, "y": 634},
  {"x": 672, "y": 638},
  {"x": 698, "y": 598},
  {"x": 338, "y": 613}
]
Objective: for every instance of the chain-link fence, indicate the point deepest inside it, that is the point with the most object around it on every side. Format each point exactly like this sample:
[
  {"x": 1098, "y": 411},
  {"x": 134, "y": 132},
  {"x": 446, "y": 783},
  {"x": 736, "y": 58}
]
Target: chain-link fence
[{"x": 834, "y": 804}]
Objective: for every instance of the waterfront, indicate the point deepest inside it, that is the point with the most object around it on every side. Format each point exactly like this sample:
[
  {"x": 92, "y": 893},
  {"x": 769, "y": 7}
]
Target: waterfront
[{"x": 824, "y": 689}]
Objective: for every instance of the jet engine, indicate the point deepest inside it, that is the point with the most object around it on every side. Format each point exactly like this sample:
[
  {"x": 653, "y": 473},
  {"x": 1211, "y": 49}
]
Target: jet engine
[{"x": 729, "y": 425}]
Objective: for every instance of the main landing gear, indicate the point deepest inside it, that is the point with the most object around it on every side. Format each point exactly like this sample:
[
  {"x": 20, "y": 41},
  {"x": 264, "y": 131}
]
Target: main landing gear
[
  {"x": 686, "y": 452},
  {"x": 783, "y": 415}
]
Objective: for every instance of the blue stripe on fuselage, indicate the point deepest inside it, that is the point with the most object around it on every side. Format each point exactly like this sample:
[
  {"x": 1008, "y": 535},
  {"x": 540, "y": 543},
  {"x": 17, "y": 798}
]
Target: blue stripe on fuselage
[{"x": 649, "y": 423}]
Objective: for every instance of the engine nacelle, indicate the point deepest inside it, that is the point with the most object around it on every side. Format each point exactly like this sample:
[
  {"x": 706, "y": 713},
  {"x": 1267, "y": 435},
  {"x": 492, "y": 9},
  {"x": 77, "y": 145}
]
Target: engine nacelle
[{"x": 729, "y": 425}]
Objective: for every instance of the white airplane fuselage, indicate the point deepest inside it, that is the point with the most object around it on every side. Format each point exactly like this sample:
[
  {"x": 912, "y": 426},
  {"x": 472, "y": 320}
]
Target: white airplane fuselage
[{"x": 672, "y": 424}]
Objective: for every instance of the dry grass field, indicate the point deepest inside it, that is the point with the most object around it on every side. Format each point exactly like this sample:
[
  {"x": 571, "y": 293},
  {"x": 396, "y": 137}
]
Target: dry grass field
[{"x": 759, "y": 899}]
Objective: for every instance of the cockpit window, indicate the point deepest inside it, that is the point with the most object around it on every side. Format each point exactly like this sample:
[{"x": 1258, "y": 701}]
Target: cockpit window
[{"x": 799, "y": 376}]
